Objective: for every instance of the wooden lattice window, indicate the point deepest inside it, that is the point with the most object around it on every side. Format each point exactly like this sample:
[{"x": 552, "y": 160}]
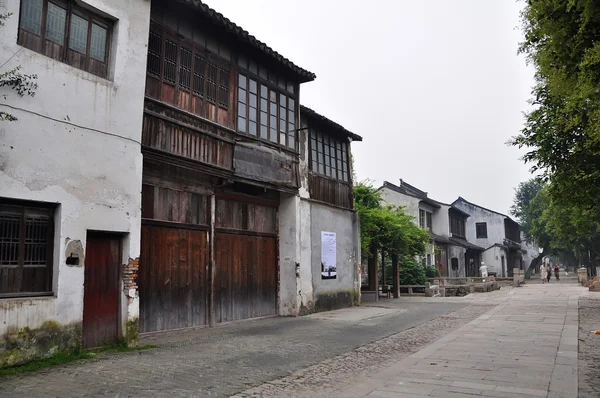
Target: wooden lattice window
[
  {"x": 265, "y": 112},
  {"x": 481, "y": 230},
  {"x": 26, "y": 248},
  {"x": 188, "y": 67},
  {"x": 61, "y": 30},
  {"x": 329, "y": 156},
  {"x": 154, "y": 53}
]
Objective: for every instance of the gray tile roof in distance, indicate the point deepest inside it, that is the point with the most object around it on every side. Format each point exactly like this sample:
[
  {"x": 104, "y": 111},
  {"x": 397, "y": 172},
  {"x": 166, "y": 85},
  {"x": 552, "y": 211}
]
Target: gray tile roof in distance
[
  {"x": 243, "y": 35},
  {"x": 328, "y": 122}
]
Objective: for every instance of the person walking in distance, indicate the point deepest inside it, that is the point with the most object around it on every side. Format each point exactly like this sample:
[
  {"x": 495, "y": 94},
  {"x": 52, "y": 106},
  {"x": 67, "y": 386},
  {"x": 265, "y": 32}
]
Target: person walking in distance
[
  {"x": 483, "y": 270},
  {"x": 556, "y": 271},
  {"x": 544, "y": 273},
  {"x": 549, "y": 272}
]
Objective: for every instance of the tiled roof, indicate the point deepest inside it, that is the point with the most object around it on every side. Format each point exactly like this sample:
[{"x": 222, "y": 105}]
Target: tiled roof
[
  {"x": 465, "y": 243},
  {"x": 461, "y": 199},
  {"x": 309, "y": 112},
  {"x": 411, "y": 191},
  {"x": 243, "y": 35}
]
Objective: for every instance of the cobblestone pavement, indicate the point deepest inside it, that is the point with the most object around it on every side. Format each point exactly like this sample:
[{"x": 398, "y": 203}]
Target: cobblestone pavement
[
  {"x": 525, "y": 347},
  {"x": 589, "y": 346},
  {"x": 225, "y": 360},
  {"x": 328, "y": 377}
]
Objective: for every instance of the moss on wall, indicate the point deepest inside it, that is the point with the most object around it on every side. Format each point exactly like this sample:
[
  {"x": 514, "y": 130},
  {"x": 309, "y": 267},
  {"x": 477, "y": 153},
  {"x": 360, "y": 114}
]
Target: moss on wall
[
  {"x": 335, "y": 300},
  {"x": 24, "y": 345},
  {"x": 132, "y": 332}
]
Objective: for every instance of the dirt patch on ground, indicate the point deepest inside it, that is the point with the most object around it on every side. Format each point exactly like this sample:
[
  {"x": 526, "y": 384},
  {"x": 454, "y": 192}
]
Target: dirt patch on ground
[
  {"x": 332, "y": 375},
  {"x": 589, "y": 347}
]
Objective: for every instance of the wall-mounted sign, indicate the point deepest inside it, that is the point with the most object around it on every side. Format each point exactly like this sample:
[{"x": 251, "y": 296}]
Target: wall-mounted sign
[{"x": 328, "y": 255}]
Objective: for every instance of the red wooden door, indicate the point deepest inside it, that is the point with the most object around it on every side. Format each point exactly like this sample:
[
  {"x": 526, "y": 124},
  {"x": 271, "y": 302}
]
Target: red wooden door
[{"x": 101, "y": 290}]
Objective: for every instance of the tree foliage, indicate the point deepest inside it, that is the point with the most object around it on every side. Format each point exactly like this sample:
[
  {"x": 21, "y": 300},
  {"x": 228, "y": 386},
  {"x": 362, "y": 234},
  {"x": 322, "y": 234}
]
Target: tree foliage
[
  {"x": 386, "y": 227},
  {"x": 522, "y": 207},
  {"x": 567, "y": 231},
  {"x": 14, "y": 79},
  {"x": 562, "y": 131}
]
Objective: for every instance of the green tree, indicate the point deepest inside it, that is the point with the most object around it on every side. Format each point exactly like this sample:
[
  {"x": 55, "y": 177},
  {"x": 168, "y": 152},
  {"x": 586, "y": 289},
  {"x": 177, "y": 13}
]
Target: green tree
[
  {"x": 521, "y": 208},
  {"x": 13, "y": 79},
  {"x": 387, "y": 227},
  {"x": 562, "y": 131}
]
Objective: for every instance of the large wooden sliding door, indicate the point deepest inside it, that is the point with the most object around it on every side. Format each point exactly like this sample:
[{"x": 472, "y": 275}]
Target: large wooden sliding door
[
  {"x": 173, "y": 278},
  {"x": 245, "y": 259},
  {"x": 174, "y": 275}
]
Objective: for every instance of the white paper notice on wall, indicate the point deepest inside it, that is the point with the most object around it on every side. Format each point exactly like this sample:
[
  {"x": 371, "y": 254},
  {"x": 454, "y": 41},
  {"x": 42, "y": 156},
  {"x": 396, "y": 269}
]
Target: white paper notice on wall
[{"x": 328, "y": 255}]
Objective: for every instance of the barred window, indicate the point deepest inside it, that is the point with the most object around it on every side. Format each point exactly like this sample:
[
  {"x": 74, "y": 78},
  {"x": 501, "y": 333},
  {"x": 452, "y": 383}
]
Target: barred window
[
  {"x": 26, "y": 248},
  {"x": 187, "y": 67}
]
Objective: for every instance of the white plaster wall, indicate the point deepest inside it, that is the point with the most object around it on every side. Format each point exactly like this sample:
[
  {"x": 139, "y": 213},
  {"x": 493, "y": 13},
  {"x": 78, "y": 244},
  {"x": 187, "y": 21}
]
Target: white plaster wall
[
  {"x": 409, "y": 203},
  {"x": 493, "y": 259},
  {"x": 342, "y": 222},
  {"x": 76, "y": 144},
  {"x": 456, "y": 252},
  {"x": 441, "y": 222},
  {"x": 289, "y": 253},
  {"x": 495, "y": 225}
]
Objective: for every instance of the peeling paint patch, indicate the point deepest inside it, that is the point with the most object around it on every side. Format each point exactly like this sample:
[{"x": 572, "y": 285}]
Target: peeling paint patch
[{"x": 74, "y": 253}]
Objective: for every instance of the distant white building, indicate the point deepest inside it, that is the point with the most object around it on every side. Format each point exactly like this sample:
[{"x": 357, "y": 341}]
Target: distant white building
[
  {"x": 497, "y": 233},
  {"x": 449, "y": 250}
]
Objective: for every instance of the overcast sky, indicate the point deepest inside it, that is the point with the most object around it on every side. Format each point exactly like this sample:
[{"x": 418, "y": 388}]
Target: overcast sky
[{"x": 434, "y": 87}]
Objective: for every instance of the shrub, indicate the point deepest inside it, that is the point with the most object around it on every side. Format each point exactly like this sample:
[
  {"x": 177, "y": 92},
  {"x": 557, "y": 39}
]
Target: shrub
[{"x": 412, "y": 272}]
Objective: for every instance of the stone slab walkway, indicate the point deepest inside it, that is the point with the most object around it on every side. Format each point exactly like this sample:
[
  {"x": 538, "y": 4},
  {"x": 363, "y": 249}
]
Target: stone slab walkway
[{"x": 524, "y": 347}]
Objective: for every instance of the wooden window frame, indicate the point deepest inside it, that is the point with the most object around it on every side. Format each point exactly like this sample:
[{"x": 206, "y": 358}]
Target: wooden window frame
[
  {"x": 481, "y": 230},
  {"x": 289, "y": 130},
  {"x": 221, "y": 91},
  {"x": 328, "y": 156},
  {"x": 457, "y": 226},
  {"x": 24, "y": 207},
  {"x": 64, "y": 53}
]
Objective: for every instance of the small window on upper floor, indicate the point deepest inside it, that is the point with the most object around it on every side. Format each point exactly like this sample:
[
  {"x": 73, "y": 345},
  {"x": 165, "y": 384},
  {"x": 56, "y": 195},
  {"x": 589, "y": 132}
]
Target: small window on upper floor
[
  {"x": 425, "y": 219},
  {"x": 481, "y": 230},
  {"x": 329, "y": 156},
  {"x": 66, "y": 32}
]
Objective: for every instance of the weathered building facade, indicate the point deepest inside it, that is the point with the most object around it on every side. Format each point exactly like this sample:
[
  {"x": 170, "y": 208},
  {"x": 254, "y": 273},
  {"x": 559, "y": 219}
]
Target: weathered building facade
[
  {"x": 70, "y": 175},
  {"x": 178, "y": 184},
  {"x": 227, "y": 230},
  {"x": 497, "y": 233},
  {"x": 449, "y": 250}
]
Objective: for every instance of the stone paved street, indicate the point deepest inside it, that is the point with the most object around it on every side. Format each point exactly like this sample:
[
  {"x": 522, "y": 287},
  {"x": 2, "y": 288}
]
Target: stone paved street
[
  {"x": 231, "y": 358},
  {"x": 516, "y": 342},
  {"x": 525, "y": 347}
]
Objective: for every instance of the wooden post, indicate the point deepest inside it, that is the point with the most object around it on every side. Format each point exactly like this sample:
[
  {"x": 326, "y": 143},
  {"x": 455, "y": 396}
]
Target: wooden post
[
  {"x": 212, "y": 270},
  {"x": 372, "y": 266},
  {"x": 395, "y": 276},
  {"x": 383, "y": 278}
]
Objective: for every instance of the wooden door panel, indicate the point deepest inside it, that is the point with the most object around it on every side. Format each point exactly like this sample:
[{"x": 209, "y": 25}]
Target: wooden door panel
[
  {"x": 246, "y": 277},
  {"x": 101, "y": 290},
  {"x": 173, "y": 281}
]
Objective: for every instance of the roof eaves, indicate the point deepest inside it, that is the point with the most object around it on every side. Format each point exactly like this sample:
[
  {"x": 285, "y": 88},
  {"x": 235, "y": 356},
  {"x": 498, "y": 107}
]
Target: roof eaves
[
  {"x": 481, "y": 207},
  {"x": 243, "y": 35},
  {"x": 338, "y": 127}
]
